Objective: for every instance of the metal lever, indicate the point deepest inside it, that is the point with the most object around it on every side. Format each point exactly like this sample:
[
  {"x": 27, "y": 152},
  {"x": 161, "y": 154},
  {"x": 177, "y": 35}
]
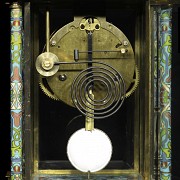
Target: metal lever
[{"x": 77, "y": 52}]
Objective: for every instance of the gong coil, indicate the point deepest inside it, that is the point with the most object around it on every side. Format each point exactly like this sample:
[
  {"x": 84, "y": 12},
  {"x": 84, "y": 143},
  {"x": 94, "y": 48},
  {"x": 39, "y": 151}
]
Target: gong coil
[{"x": 98, "y": 91}]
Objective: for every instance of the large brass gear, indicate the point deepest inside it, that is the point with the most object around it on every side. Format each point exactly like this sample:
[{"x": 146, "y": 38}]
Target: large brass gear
[
  {"x": 106, "y": 37},
  {"x": 46, "y": 89},
  {"x": 135, "y": 83}
]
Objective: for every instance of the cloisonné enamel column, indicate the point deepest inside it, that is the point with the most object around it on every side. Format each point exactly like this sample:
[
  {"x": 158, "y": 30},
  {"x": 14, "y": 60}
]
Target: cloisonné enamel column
[
  {"x": 16, "y": 91},
  {"x": 165, "y": 57}
]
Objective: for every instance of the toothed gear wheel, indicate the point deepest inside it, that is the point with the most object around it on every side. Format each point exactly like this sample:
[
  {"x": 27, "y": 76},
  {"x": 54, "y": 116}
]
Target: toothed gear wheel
[
  {"x": 46, "y": 89},
  {"x": 134, "y": 84}
]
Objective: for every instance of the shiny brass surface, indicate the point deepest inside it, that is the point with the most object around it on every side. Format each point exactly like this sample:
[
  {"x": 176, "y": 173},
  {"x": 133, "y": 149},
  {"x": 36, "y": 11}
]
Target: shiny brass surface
[
  {"x": 89, "y": 122},
  {"x": 46, "y": 89},
  {"x": 106, "y": 172},
  {"x": 45, "y": 64},
  {"x": 15, "y": 5},
  {"x": 89, "y": 24},
  {"x": 47, "y": 31},
  {"x": 135, "y": 83},
  {"x": 111, "y": 45}
]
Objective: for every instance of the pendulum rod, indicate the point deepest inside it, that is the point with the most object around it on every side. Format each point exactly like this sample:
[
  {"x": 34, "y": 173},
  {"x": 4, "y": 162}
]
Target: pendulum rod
[
  {"x": 90, "y": 56},
  {"x": 90, "y": 49},
  {"x": 89, "y": 124},
  {"x": 88, "y": 173}
]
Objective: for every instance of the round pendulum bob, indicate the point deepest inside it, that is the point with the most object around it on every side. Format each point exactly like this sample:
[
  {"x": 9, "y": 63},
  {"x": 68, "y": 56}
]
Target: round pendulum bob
[{"x": 89, "y": 151}]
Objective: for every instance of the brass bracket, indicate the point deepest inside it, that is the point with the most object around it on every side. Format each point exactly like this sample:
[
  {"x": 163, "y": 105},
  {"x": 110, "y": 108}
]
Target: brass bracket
[{"x": 90, "y": 24}]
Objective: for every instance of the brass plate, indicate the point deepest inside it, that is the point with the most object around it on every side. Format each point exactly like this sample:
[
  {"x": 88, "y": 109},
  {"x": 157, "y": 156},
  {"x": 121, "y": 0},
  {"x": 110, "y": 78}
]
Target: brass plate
[{"x": 116, "y": 51}]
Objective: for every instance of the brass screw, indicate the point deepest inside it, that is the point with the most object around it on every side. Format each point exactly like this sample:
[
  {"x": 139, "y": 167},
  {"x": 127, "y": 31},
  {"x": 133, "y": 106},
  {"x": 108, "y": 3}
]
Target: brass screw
[
  {"x": 53, "y": 43},
  {"x": 125, "y": 43},
  {"x": 123, "y": 50}
]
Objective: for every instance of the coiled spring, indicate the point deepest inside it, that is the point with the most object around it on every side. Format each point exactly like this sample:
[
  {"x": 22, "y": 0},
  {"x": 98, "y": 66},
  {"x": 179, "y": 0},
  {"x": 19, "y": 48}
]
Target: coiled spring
[{"x": 98, "y": 91}]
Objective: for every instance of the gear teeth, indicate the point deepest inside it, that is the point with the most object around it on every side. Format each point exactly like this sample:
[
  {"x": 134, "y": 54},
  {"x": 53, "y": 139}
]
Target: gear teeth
[
  {"x": 136, "y": 82},
  {"x": 46, "y": 91}
]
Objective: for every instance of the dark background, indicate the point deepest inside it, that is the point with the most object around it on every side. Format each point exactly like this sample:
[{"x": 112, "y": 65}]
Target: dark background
[{"x": 5, "y": 92}]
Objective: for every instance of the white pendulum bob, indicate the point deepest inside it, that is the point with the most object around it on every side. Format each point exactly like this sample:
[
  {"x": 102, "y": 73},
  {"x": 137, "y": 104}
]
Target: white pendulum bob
[{"x": 89, "y": 151}]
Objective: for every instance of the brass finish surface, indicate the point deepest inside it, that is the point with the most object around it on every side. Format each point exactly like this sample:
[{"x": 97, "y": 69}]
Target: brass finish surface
[
  {"x": 89, "y": 24},
  {"x": 89, "y": 122},
  {"x": 47, "y": 31},
  {"x": 46, "y": 89},
  {"x": 111, "y": 46},
  {"x": 45, "y": 64},
  {"x": 15, "y": 5},
  {"x": 105, "y": 172},
  {"x": 135, "y": 83}
]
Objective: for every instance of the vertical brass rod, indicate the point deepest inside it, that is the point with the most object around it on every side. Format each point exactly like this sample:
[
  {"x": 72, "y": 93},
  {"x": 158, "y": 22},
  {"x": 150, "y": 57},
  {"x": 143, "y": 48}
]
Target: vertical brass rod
[
  {"x": 47, "y": 30},
  {"x": 88, "y": 175},
  {"x": 89, "y": 122}
]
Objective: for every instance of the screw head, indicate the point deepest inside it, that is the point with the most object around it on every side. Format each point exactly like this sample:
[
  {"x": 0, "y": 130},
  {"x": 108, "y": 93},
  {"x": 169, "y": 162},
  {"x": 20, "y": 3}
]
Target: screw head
[
  {"x": 123, "y": 50},
  {"x": 53, "y": 43},
  {"x": 47, "y": 64},
  {"x": 62, "y": 77},
  {"x": 125, "y": 43}
]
